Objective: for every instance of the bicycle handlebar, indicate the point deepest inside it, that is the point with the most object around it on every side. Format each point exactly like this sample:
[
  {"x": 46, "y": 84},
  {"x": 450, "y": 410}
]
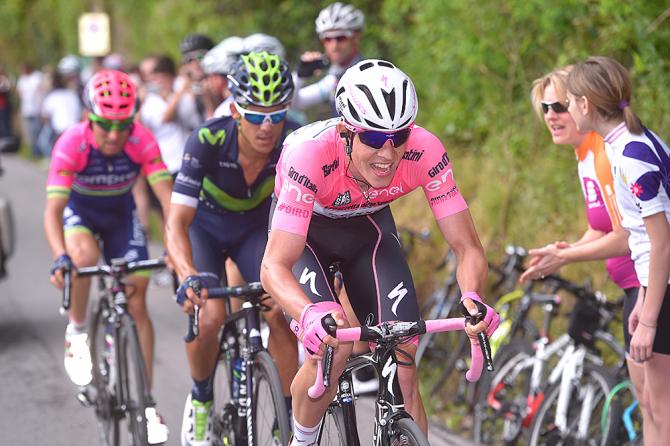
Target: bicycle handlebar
[
  {"x": 396, "y": 330},
  {"x": 120, "y": 266},
  {"x": 117, "y": 267},
  {"x": 254, "y": 289}
]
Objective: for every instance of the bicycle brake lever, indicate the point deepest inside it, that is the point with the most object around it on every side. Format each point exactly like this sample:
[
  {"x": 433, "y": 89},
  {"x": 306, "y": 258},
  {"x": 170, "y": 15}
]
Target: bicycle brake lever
[
  {"x": 484, "y": 343},
  {"x": 196, "y": 309},
  {"x": 330, "y": 326},
  {"x": 67, "y": 284}
]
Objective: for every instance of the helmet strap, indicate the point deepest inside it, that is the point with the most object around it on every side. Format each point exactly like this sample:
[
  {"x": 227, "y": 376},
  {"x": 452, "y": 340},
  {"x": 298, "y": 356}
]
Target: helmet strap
[{"x": 347, "y": 137}]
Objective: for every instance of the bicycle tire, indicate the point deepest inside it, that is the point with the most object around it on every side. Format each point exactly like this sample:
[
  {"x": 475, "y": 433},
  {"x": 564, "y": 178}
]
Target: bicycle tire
[
  {"x": 103, "y": 382},
  {"x": 407, "y": 432},
  {"x": 332, "y": 430},
  {"x": 430, "y": 346},
  {"x": 491, "y": 425},
  {"x": 265, "y": 373},
  {"x": 543, "y": 430},
  {"x": 133, "y": 382}
]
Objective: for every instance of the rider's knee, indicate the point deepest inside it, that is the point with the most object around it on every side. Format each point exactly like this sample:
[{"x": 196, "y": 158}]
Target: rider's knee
[
  {"x": 82, "y": 256},
  {"x": 137, "y": 307},
  {"x": 210, "y": 325}
]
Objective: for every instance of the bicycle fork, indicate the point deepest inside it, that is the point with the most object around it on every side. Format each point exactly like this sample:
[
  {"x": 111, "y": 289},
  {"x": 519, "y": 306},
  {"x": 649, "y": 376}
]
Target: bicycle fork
[{"x": 252, "y": 333}]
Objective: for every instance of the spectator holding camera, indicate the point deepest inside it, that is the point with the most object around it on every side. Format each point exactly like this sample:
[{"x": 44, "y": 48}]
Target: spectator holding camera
[
  {"x": 193, "y": 48},
  {"x": 339, "y": 27}
]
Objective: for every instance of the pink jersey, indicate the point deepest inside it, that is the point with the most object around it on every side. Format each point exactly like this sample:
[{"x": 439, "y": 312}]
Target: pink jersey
[
  {"x": 312, "y": 176},
  {"x": 77, "y": 164}
]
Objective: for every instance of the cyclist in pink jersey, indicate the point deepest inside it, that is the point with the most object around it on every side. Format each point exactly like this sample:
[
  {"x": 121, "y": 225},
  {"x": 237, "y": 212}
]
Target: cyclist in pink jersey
[
  {"x": 599, "y": 94},
  {"x": 93, "y": 168},
  {"x": 335, "y": 180}
]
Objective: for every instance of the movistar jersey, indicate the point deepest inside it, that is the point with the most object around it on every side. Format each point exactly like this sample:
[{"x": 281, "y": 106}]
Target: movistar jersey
[
  {"x": 211, "y": 174},
  {"x": 313, "y": 176},
  {"x": 93, "y": 181}
]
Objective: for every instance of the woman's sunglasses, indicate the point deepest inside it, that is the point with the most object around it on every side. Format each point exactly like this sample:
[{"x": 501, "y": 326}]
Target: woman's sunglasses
[
  {"x": 258, "y": 118},
  {"x": 108, "y": 125},
  {"x": 376, "y": 140},
  {"x": 558, "y": 107}
]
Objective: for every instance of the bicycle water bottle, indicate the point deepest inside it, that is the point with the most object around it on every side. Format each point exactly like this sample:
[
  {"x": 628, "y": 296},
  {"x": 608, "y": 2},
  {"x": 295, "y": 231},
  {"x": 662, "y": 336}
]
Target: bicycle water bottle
[{"x": 238, "y": 372}]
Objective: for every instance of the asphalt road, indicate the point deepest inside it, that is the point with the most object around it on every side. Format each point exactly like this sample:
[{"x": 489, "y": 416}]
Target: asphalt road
[{"x": 38, "y": 403}]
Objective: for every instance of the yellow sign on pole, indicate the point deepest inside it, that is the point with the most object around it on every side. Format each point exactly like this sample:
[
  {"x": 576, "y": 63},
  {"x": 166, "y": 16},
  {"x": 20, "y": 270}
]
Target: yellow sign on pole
[{"x": 94, "y": 38}]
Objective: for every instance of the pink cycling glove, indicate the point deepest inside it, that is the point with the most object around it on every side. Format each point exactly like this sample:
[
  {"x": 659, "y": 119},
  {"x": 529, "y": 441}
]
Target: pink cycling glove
[
  {"x": 491, "y": 318},
  {"x": 309, "y": 329}
]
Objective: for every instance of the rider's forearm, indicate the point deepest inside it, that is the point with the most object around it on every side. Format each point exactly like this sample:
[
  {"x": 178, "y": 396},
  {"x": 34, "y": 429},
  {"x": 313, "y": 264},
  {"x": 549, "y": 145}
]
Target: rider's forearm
[
  {"x": 179, "y": 249},
  {"x": 53, "y": 230},
  {"x": 472, "y": 270},
  {"x": 279, "y": 281}
]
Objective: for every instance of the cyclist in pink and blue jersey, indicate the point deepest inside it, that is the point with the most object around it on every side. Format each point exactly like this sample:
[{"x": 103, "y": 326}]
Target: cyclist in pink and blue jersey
[
  {"x": 335, "y": 180},
  {"x": 93, "y": 168}
]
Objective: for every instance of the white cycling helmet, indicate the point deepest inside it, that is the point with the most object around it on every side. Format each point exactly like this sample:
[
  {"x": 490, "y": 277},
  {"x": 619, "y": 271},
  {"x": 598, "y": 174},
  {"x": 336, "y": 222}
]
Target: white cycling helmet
[
  {"x": 375, "y": 95},
  {"x": 339, "y": 16},
  {"x": 260, "y": 42},
  {"x": 69, "y": 65},
  {"x": 221, "y": 58}
]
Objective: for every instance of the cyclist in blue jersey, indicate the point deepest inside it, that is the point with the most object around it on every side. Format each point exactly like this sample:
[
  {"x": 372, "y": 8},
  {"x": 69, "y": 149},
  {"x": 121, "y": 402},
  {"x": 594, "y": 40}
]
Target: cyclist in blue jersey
[{"x": 219, "y": 210}]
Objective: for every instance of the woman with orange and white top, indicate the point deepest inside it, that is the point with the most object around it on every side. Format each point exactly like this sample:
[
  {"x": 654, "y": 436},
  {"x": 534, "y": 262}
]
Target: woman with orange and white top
[{"x": 604, "y": 238}]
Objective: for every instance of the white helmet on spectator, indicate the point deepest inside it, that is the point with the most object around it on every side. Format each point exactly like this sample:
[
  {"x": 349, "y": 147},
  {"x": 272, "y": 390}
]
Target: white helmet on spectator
[
  {"x": 69, "y": 65},
  {"x": 339, "y": 16},
  {"x": 113, "y": 61},
  {"x": 260, "y": 42},
  {"x": 221, "y": 58},
  {"x": 375, "y": 95}
]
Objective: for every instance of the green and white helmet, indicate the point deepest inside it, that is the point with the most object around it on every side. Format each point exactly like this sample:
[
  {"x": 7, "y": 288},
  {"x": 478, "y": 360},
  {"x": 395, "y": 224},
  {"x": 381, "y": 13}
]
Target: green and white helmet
[{"x": 261, "y": 79}]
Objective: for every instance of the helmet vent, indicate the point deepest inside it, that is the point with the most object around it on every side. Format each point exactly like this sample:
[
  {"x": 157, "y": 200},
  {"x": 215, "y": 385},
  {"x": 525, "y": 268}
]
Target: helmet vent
[
  {"x": 405, "y": 124},
  {"x": 365, "y": 66},
  {"x": 390, "y": 102},
  {"x": 383, "y": 63},
  {"x": 375, "y": 125},
  {"x": 371, "y": 99},
  {"x": 352, "y": 110},
  {"x": 405, "y": 85}
]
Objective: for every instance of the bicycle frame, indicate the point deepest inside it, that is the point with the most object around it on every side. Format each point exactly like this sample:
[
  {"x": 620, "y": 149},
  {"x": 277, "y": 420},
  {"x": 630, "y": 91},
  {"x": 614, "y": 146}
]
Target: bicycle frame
[
  {"x": 241, "y": 342},
  {"x": 246, "y": 346},
  {"x": 389, "y": 404}
]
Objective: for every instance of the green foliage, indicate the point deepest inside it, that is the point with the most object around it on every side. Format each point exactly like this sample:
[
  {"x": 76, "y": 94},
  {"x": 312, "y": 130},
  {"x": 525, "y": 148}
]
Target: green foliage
[{"x": 472, "y": 63}]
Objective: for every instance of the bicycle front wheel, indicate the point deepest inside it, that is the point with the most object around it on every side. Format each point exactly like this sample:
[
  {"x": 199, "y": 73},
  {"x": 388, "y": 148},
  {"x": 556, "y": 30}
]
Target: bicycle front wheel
[
  {"x": 332, "y": 431},
  {"x": 269, "y": 411},
  {"x": 101, "y": 344},
  {"x": 406, "y": 432},
  {"x": 592, "y": 389},
  {"x": 133, "y": 384},
  {"x": 501, "y": 408}
]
